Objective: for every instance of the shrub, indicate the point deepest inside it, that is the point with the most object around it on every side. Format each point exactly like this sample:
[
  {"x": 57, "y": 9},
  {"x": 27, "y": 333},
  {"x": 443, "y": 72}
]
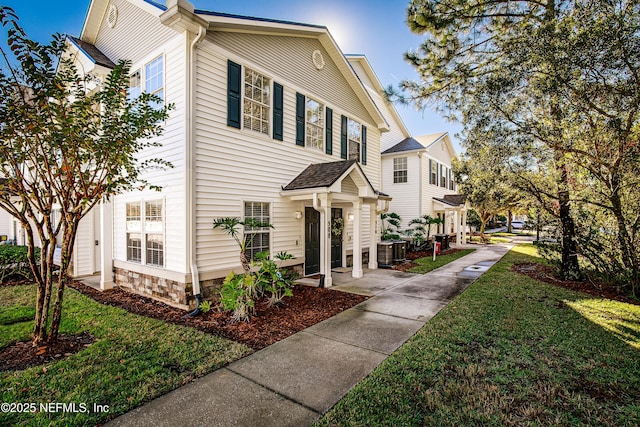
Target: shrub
[
  {"x": 14, "y": 264},
  {"x": 239, "y": 291}
]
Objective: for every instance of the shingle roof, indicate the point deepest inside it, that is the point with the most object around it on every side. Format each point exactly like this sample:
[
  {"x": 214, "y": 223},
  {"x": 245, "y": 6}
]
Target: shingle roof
[
  {"x": 92, "y": 52},
  {"x": 453, "y": 199},
  {"x": 407, "y": 144},
  {"x": 320, "y": 175}
]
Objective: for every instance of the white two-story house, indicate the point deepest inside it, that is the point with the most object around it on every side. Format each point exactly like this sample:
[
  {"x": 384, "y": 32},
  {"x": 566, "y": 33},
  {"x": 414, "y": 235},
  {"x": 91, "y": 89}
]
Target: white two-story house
[
  {"x": 416, "y": 171},
  {"x": 270, "y": 122}
]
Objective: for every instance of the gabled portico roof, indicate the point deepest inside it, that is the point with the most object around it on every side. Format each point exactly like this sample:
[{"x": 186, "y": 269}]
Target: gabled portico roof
[
  {"x": 327, "y": 178},
  {"x": 452, "y": 200}
]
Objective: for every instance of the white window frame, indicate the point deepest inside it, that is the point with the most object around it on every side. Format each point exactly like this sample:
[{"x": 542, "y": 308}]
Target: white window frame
[
  {"x": 434, "y": 172},
  {"x": 400, "y": 170},
  {"x": 314, "y": 130},
  {"x": 264, "y": 122},
  {"x": 264, "y": 230},
  {"x": 144, "y": 228},
  {"x": 354, "y": 138},
  {"x": 443, "y": 176},
  {"x": 143, "y": 78}
]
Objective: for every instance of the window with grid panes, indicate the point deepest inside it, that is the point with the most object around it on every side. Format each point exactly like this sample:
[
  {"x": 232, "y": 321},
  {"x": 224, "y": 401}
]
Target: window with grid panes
[
  {"x": 145, "y": 232},
  {"x": 399, "y": 170},
  {"x": 355, "y": 137},
  {"x": 134, "y": 229},
  {"x": 443, "y": 176},
  {"x": 433, "y": 167},
  {"x": 257, "y": 101},
  {"x": 154, "y": 227},
  {"x": 315, "y": 124},
  {"x": 257, "y": 238}
]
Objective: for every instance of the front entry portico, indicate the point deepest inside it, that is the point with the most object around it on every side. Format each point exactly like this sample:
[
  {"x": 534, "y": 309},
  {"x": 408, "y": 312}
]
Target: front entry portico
[{"x": 331, "y": 191}]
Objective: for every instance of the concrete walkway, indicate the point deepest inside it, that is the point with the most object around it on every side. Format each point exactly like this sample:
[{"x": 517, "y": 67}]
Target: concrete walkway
[{"x": 294, "y": 381}]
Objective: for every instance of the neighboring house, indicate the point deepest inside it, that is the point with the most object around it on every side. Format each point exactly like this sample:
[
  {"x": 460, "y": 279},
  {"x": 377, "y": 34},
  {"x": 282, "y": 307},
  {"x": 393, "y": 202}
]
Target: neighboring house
[
  {"x": 270, "y": 122},
  {"x": 416, "y": 172}
]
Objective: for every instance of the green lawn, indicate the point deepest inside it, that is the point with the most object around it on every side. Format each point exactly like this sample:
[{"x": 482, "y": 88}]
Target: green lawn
[
  {"x": 508, "y": 351},
  {"x": 492, "y": 240},
  {"x": 427, "y": 264},
  {"x": 133, "y": 360}
]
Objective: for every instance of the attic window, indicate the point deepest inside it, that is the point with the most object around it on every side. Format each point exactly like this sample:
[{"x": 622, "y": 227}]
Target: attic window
[
  {"x": 318, "y": 59},
  {"x": 112, "y": 16}
]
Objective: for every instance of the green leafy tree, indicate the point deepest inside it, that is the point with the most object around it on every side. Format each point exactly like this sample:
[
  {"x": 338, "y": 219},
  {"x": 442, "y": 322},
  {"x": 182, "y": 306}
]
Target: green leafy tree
[
  {"x": 557, "y": 79},
  {"x": 64, "y": 145}
]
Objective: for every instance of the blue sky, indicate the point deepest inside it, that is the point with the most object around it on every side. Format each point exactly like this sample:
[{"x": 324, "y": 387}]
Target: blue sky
[{"x": 375, "y": 28}]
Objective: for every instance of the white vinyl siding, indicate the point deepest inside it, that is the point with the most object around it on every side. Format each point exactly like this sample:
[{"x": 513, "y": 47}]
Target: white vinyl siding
[
  {"x": 234, "y": 167},
  {"x": 136, "y": 33},
  {"x": 286, "y": 57},
  {"x": 172, "y": 149}
]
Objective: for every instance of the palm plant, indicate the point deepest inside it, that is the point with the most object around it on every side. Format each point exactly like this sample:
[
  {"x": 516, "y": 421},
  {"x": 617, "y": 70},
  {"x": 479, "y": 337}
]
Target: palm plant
[
  {"x": 237, "y": 229},
  {"x": 390, "y": 226},
  {"x": 421, "y": 229}
]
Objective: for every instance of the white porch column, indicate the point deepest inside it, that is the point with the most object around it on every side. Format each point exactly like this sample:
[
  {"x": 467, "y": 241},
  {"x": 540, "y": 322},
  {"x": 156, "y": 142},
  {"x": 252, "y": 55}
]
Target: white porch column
[
  {"x": 356, "y": 273},
  {"x": 325, "y": 239},
  {"x": 373, "y": 236},
  {"x": 464, "y": 227},
  {"x": 456, "y": 227},
  {"x": 106, "y": 245}
]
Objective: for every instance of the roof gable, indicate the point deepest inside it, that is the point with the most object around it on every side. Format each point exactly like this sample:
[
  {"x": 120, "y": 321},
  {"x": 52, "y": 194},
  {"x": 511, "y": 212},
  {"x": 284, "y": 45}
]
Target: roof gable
[
  {"x": 328, "y": 177},
  {"x": 228, "y": 23},
  {"x": 407, "y": 144}
]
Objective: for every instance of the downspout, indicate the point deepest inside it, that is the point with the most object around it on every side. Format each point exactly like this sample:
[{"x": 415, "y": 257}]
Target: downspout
[{"x": 190, "y": 171}]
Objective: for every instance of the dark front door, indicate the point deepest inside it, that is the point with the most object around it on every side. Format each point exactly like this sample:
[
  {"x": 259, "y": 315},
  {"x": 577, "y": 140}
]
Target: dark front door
[
  {"x": 336, "y": 239},
  {"x": 311, "y": 241}
]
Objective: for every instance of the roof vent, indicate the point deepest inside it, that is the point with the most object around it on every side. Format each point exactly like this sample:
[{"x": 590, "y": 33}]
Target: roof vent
[
  {"x": 318, "y": 59},
  {"x": 112, "y": 16}
]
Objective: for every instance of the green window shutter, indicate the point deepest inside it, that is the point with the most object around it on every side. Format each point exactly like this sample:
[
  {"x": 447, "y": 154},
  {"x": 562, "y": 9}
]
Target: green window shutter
[
  {"x": 363, "y": 155},
  {"x": 234, "y": 91},
  {"x": 343, "y": 138},
  {"x": 300, "y": 119},
  {"x": 329, "y": 131},
  {"x": 278, "y": 110}
]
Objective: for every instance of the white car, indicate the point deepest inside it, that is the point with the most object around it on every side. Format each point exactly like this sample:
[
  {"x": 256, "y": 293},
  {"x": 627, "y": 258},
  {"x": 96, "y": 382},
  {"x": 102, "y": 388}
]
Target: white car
[{"x": 517, "y": 225}]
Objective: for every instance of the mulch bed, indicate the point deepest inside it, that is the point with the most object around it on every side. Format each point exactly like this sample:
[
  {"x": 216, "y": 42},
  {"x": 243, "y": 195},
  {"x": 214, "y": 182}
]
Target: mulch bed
[
  {"x": 305, "y": 308},
  {"x": 548, "y": 274},
  {"x": 23, "y": 355},
  {"x": 411, "y": 256}
]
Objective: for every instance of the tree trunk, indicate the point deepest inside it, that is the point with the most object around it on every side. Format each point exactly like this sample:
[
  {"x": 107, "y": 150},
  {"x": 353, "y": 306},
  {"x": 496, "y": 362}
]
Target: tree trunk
[
  {"x": 67, "y": 250},
  {"x": 244, "y": 260},
  {"x": 570, "y": 269},
  {"x": 629, "y": 253}
]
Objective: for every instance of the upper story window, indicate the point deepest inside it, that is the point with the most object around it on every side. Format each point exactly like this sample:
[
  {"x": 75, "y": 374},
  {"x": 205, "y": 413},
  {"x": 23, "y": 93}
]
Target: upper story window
[
  {"x": 315, "y": 124},
  {"x": 135, "y": 85},
  {"x": 443, "y": 176},
  {"x": 153, "y": 79},
  {"x": 354, "y": 133},
  {"x": 399, "y": 170},
  {"x": 257, "y": 101},
  {"x": 433, "y": 172}
]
